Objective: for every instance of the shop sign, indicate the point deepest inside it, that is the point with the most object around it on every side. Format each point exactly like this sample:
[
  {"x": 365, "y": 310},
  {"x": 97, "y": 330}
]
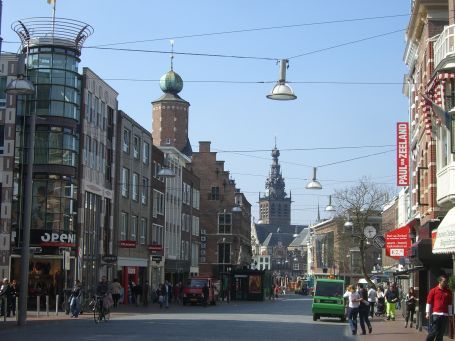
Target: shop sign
[
  {"x": 131, "y": 270},
  {"x": 52, "y": 238},
  {"x": 398, "y": 242},
  {"x": 127, "y": 244},
  {"x": 155, "y": 248},
  {"x": 109, "y": 258},
  {"x": 157, "y": 259},
  {"x": 402, "y": 154}
]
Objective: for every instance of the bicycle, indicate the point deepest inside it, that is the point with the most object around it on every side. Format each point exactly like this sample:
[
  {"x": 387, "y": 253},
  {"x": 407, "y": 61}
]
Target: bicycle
[{"x": 100, "y": 312}]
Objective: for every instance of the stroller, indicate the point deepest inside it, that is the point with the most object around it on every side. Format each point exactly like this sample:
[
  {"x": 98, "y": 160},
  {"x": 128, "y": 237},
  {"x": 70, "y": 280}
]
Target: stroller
[{"x": 380, "y": 308}]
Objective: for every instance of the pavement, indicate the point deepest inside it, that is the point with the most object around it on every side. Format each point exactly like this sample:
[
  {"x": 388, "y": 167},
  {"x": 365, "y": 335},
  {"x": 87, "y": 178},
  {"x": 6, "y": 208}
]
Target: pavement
[
  {"x": 382, "y": 329},
  {"x": 394, "y": 330}
]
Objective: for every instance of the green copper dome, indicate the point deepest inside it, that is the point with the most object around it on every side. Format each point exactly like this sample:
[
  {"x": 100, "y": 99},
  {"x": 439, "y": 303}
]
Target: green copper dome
[{"x": 171, "y": 82}]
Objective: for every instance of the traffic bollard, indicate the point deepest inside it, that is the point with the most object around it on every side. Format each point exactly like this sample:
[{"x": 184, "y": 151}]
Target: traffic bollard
[
  {"x": 37, "y": 305},
  {"x": 56, "y": 305},
  {"x": 47, "y": 305}
]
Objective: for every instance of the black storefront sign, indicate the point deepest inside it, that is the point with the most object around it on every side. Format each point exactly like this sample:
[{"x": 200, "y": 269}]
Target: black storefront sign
[{"x": 48, "y": 238}]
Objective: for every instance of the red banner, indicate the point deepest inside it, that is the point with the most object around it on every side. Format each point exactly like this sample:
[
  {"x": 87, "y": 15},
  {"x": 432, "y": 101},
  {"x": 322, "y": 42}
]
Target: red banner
[
  {"x": 398, "y": 242},
  {"x": 402, "y": 154}
]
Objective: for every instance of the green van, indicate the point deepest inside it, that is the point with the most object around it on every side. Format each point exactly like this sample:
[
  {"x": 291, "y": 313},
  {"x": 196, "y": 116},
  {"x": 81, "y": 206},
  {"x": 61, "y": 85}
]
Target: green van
[{"x": 328, "y": 299}]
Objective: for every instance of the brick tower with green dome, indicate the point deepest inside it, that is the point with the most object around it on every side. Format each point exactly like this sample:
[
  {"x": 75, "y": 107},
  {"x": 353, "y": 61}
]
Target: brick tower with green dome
[{"x": 170, "y": 115}]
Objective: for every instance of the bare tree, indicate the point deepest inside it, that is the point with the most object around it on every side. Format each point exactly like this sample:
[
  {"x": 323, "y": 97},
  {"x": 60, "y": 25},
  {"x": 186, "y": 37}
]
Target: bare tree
[{"x": 362, "y": 204}]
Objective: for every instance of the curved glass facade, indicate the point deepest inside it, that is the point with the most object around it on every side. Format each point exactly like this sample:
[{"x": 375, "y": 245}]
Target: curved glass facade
[
  {"x": 56, "y": 103},
  {"x": 54, "y": 72}
]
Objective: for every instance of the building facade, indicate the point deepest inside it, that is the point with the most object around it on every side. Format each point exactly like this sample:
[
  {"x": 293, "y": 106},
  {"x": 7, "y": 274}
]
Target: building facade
[
  {"x": 96, "y": 180},
  {"x": 8, "y": 70},
  {"x": 133, "y": 207},
  {"x": 52, "y": 55},
  {"x": 225, "y": 217}
]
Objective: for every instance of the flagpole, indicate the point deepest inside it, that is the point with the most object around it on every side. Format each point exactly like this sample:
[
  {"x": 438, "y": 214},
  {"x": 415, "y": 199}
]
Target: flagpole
[{"x": 54, "y": 3}]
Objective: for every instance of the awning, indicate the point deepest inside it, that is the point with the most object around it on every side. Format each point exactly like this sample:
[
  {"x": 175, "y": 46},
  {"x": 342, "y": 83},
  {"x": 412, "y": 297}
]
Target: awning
[{"x": 445, "y": 237}]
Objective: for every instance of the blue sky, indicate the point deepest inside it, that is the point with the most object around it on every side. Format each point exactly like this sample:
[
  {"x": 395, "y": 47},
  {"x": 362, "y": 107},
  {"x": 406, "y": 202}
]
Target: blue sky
[{"x": 238, "y": 117}]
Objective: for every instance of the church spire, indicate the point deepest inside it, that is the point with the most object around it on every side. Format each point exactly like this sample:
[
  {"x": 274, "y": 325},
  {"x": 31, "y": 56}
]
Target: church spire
[{"x": 275, "y": 182}]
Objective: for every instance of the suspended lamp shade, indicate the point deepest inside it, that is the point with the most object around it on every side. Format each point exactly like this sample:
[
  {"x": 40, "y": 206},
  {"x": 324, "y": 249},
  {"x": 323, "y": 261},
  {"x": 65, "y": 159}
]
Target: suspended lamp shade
[
  {"x": 314, "y": 183},
  {"x": 20, "y": 86},
  {"x": 236, "y": 209},
  {"x": 282, "y": 91},
  {"x": 329, "y": 207},
  {"x": 166, "y": 173}
]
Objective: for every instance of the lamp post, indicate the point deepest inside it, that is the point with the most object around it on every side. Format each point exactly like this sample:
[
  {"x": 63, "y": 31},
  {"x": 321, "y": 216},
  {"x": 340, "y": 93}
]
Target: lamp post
[{"x": 22, "y": 86}]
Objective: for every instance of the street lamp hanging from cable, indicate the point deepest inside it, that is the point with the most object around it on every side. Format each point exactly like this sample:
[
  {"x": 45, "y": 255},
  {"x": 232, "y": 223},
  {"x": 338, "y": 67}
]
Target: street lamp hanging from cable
[{"x": 282, "y": 91}]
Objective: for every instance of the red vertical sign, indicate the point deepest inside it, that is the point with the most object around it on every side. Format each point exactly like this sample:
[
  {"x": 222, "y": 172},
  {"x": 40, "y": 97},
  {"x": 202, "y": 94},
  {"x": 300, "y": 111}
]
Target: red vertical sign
[{"x": 402, "y": 154}]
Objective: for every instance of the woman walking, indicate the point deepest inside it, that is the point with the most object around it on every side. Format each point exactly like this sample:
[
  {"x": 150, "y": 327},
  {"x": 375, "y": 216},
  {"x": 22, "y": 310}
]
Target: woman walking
[
  {"x": 410, "y": 306},
  {"x": 353, "y": 307}
]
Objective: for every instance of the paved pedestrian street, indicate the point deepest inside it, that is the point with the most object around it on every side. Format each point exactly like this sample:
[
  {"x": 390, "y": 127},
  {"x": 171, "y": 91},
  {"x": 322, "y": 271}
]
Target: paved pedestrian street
[{"x": 288, "y": 318}]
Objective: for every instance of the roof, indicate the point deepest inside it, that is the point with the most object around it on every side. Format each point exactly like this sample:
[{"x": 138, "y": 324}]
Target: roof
[
  {"x": 301, "y": 239},
  {"x": 170, "y": 97},
  {"x": 187, "y": 150},
  {"x": 263, "y": 230},
  {"x": 275, "y": 239}
]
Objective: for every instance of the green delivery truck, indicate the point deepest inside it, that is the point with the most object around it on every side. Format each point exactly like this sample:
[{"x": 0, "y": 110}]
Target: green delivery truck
[{"x": 328, "y": 299}]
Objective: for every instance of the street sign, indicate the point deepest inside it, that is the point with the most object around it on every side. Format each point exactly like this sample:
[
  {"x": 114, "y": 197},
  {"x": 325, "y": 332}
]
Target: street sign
[
  {"x": 109, "y": 258},
  {"x": 379, "y": 242},
  {"x": 155, "y": 248},
  {"x": 157, "y": 259}
]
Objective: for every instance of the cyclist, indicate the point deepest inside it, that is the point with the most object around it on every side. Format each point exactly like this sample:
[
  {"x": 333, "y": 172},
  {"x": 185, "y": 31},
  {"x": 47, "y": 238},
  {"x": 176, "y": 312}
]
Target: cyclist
[
  {"x": 102, "y": 291},
  {"x": 103, "y": 287}
]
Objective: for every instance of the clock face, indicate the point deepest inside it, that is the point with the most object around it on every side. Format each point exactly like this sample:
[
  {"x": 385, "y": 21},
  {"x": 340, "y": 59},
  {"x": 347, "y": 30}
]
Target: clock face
[{"x": 369, "y": 231}]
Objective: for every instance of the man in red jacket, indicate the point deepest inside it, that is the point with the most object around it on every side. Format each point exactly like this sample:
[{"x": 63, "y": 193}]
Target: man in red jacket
[{"x": 439, "y": 307}]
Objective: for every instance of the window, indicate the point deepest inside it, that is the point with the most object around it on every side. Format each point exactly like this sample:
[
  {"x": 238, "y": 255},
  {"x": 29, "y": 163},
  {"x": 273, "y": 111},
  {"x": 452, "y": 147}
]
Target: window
[
  {"x": 133, "y": 235},
  {"x": 125, "y": 181},
  {"x": 96, "y": 112},
  {"x": 126, "y": 140},
  {"x": 135, "y": 187},
  {"x": 2, "y": 138},
  {"x": 215, "y": 193},
  {"x": 157, "y": 234},
  {"x": 123, "y": 225},
  {"x": 145, "y": 190},
  {"x": 224, "y": 253},
  {"x": 143, "y": 231},
  {"x": 136, "y": 146},
  {"x": 158, "y": 203},
  {"x": 224, "y": 222},
  {"x": 2, "y": 91},
  {"x": 295, "y": 266},
  {"x": 145, "y": 153}
]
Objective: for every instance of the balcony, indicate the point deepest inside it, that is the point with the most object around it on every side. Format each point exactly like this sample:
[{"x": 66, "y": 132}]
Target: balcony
[
  {"x": 445, "y": 180},
  {"x": 444, "y": 49}
]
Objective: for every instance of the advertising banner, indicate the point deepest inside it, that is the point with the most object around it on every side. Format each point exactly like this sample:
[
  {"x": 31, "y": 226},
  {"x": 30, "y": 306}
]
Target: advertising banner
[
  {"x": 402, "y": 154},
  {"x": 397, "y": 242}
]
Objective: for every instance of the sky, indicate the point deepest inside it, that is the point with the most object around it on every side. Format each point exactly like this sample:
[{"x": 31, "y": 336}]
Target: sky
[{"x": 345, "y": 66}]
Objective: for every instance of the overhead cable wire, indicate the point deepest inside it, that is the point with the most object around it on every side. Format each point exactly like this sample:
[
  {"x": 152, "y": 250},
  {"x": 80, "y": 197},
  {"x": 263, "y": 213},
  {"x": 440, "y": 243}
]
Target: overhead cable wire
[
  {"x": 346, "y": 43},
  {"x": 247, "y": 57},
  {"x": 254, "y": 29}
]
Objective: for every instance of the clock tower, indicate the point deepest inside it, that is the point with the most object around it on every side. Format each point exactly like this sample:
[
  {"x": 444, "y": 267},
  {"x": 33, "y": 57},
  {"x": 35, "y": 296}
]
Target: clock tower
[{"x": 275, "y": 206}]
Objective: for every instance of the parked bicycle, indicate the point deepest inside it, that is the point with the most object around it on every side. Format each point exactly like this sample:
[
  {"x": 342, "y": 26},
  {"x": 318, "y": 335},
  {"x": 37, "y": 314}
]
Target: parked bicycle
[{"x": 100, "y": 312}]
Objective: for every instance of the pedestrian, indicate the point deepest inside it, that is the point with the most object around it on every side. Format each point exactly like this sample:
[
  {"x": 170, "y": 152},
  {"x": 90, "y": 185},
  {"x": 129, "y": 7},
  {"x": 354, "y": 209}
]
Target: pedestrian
[
  {"x": 137, "y": 292},
  {"x": 277, "y": 291},
  {"x": 166, "y": 293},
  {"x": 205, "y": 293},
  {"x": 410, "y": 306},
  {"x": 372, "y": 297},
  {"x": 75, "y": 299},
  {"x": 353, "y": 307},
  {"x": 116, "y": 287},
  {"x": 14, "y": 295},
  {"x": 145, "y": 293},
  {"x": 364, "y": 310},
  {"x": 380, "y": 308},
  {"x": 438, "y": 308},
  {"x": 391, "y": 298},
  {"x": 5, "y": 297},
  {"x": 176, "y": 293}
]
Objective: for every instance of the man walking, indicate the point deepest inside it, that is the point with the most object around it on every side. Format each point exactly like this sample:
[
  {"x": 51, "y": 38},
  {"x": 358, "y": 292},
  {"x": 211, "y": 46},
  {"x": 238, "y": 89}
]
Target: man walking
[
  {"x": 372, "y": 300},
  {"x": 438, "y": 308}
]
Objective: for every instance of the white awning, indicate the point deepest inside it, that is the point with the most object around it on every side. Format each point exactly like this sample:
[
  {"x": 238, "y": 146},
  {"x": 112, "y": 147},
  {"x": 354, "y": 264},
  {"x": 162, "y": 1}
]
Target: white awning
[
  {"x": 127, "y": 261},
  {"x": 445, "y": 237}
]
